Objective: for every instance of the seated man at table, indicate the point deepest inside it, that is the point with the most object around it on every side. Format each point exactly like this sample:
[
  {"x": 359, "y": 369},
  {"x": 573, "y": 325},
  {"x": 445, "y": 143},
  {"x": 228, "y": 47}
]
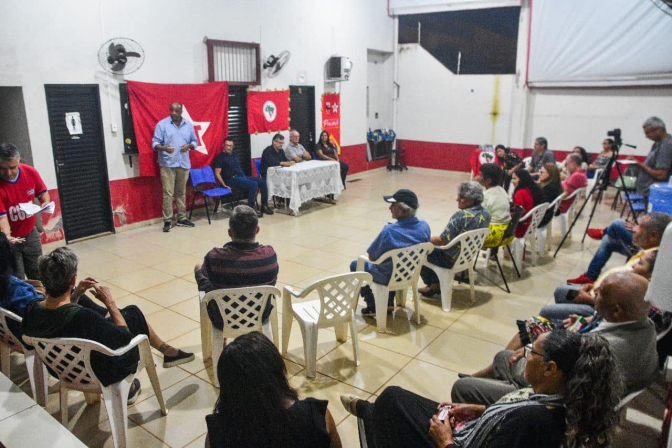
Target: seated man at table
[
  {"x": 274, "y": 155},
  {"x": 229, "y": 174},
  {"x": 407, "y": 231},
  {"x": 240, "y": 263},
  {"x": 295, "y": 150}
]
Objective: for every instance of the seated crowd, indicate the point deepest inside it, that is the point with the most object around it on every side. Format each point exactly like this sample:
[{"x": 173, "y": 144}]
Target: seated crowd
[{"x": 557, "y": 383}]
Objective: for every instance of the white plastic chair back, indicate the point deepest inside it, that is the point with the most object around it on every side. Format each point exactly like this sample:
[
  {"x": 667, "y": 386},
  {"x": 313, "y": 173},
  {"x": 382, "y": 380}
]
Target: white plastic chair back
[
  {"x": 334, "y": 307},
  {"x": 527, "y": 161},
  {"x": 564, "y": 218},
  {"x": 534, "y": 216},
  {"x": 545, "y": 234},
  {"x": 242, "y": 311},
  {"x": 593, "y": 181},
  {"x": 470, "y": 245},
  {"x": 36, "y": 372},
  {"x": 70, "y": 359},
  {"x": 406, "y": 264}
]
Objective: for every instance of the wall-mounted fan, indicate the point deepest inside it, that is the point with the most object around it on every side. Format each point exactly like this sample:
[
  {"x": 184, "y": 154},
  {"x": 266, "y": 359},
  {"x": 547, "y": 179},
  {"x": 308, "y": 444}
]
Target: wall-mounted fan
[
  {"x": 121, "y": 56},
  {"x": 274, "y": 64}
]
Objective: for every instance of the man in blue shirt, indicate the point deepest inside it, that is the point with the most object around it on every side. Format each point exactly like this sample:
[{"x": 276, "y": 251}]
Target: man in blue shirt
[
  {"x": 407, "y": 231},
  {"x": 229, "y": 174},
  {"x": 173, "y": 138}
]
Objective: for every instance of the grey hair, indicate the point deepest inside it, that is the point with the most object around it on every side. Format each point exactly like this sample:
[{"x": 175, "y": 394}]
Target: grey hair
[
  {"x": 243, "y": 223},
  {"x": 409, "y": 211},
  {"x": 8, "y": 152},
  {"x": 542, "y": 141},
  {"x": 57, "y": 270},
  {"x": 471, "y": 191},
  {"x": 654, "y": 122},
  {"x": 576, "y": 159},
  {"x": 658, "y": 222}
]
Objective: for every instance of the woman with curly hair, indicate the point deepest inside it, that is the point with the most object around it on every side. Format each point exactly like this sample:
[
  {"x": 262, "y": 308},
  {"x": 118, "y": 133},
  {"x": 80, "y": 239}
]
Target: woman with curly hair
[
  {"x": 574, "y": 390},
  {"x": 527, "y": 194}
]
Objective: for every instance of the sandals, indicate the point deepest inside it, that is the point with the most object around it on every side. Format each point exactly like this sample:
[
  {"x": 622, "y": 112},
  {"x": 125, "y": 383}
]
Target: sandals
[{"x": 349, "y": 402}]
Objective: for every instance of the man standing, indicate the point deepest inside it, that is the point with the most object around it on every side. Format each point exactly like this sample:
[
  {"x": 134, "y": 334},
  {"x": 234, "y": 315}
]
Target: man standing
[
  {"x": 540, "y": 157},
  {"x": 658, "y": 164},
  {"x": 20, "y": 183},
  {"x": 295, "y": 150},
  {"x": 173, "y": 138},
  {"x": 274, "y": 155},
  {"x": 229, "y": 174},
  {"x": 240, "y": 263},
  {"x": 407, "y": 231},
  {"x": 576, "y": 179}
]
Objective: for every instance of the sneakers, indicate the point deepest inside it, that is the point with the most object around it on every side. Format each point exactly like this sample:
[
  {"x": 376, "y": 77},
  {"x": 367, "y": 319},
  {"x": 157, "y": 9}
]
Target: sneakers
[
  {"x": 369, "y": 312},
  {"x": 581, "y": 280},
  {"x": 166, "y": 226},
  {"x": 259, "y": 214},
  {"x": 595, "y": 234},
  {"x": 184, "y": 223},
  {"x": 180, "y": 358},
  {"x": 134, "y": 392},
  {"x": 265, "y": 209}
]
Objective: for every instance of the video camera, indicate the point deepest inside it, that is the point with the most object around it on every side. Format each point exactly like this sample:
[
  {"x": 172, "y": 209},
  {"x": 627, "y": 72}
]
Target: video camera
[{"x": 616, "y": 133}]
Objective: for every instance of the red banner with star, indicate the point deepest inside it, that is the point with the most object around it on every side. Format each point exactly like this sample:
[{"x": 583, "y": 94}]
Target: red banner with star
[
  {"x": 267, "y": 111},
  {"x": 206, "y": 106},
  {"x": 331, "y": 117}
]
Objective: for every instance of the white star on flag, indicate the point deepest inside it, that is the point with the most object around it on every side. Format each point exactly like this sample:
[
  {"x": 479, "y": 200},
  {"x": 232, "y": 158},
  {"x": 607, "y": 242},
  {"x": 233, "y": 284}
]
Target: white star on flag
[{"x": 200, "y": 127}]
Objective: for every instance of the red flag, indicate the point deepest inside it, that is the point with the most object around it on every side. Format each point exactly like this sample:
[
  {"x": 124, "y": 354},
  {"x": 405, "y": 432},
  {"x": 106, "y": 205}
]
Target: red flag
[
  {"x": 267, "y": 111},
  {"x": 204, "y": 105}
]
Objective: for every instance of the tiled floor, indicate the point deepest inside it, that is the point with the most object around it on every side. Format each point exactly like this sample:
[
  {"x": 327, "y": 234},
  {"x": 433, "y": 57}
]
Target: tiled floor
[{"x": 154, "y": 270}]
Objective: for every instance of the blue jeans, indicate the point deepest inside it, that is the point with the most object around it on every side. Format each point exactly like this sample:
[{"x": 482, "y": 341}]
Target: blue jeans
[
  {"x": 250, "y": 184},
  {"x": 564, "y": 307},
  {"x": 366, "y": 292},
  {"x": 616, "y": 239}
]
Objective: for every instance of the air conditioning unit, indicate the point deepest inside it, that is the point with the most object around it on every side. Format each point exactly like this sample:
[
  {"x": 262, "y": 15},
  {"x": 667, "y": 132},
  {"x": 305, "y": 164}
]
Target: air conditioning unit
[{"x": 338, "y": 69}]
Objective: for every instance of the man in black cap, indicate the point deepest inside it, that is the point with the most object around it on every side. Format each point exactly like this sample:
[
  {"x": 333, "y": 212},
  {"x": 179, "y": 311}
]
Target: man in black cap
[{"x": 407, "y": 231}]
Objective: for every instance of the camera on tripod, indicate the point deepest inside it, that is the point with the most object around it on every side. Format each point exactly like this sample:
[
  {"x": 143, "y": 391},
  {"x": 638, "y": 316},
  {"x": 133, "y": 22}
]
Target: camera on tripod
[{"x": 616, "y": 133}]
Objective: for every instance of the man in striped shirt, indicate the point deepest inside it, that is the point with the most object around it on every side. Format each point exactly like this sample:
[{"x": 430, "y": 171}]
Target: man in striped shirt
[{"x": 239, "y": 263}]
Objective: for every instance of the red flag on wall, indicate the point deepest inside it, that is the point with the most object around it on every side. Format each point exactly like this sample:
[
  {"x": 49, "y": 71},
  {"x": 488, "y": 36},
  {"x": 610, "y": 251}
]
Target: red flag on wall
[
  {"x": 267, "y": 111},
  {"x": 206, "y": 106},
  {"x": 331, "y": 117}
]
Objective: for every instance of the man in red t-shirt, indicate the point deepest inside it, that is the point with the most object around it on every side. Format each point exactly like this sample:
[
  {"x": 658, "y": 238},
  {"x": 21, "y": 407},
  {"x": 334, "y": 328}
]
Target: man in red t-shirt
[
  {"x": 20, "y": 183},
  {"x": 576, "y": 179}
]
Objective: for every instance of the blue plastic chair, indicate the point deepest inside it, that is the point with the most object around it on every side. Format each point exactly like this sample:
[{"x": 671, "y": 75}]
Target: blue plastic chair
[
  {"x": 200, "y": 176},
  {"x": 257, "y": 165}
]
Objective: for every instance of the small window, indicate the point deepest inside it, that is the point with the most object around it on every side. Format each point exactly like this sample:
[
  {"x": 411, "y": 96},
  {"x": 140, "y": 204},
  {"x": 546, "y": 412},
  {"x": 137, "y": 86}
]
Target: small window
[{"x": 237, "y": 63}]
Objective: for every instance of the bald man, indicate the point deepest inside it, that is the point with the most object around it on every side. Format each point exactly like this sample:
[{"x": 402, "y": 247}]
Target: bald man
[{"x": 623, "y": 322}]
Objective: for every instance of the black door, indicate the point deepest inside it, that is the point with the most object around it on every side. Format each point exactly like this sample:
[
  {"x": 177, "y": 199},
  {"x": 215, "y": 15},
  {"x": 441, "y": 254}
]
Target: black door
[
  {"x": 237, "y": 120},
  {"x": 79, "y": 154},
  {"x": 302, "y": 114}
]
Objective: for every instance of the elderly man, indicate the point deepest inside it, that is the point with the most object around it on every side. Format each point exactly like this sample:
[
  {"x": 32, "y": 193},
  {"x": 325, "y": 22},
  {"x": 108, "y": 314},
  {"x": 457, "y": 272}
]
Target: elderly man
[
  {"x": 229, "y": 174},
  {"x": 622, "y": 320},
  {"x": 295, "y": 150},
  {"x": 471, "y": 216},
  {"x": 576, "y": 179},
  {"x": 274, "y": 155},
  {"x": 623, "y": 237},
  {"x": 658, "y": 164},
  {"x": 20, "y": 183},
  {"x": 173, "y": 138},
  {"x": 241, "y": 262},
  {"x": 407, "y": 231},
  {"x": 540, "y": 157}
]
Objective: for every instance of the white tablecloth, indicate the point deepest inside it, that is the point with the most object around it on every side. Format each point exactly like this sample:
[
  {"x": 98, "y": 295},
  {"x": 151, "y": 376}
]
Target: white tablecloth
[{"x": 304, "y": 181}]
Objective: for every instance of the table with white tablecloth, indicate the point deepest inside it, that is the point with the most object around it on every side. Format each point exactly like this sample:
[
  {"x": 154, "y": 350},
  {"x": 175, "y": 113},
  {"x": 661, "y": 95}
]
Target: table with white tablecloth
[{"x": 304, "y": 181}]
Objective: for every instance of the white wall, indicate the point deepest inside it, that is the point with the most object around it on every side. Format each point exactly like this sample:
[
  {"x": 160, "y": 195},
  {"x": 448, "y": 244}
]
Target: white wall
[
  {"x": 47, "y": 42},
  {"x": 379, "y": 74}
]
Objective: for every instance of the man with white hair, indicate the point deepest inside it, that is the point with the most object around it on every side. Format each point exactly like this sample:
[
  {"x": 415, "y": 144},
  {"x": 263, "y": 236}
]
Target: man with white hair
[{"x": 295, "y": 150}]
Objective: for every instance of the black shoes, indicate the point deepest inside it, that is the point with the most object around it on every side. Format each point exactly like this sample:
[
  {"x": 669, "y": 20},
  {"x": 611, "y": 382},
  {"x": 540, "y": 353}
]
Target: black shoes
[
  {"x": 166, "y": 226},
  {"x": 180, "y": 358},
  {"x": 184, "y": 223},
  {"x": 134, "y": 392},
  {"x": 265, "y": 209}
]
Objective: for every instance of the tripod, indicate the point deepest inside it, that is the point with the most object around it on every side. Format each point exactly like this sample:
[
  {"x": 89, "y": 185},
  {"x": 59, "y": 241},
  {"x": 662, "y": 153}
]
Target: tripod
[{"x": 601, "y": 184}]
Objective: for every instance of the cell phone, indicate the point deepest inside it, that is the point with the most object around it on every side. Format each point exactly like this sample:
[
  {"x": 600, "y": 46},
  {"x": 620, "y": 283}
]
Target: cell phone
[
  {"x": 572, "y": 294},
  {"x": 443, "y": 412}
]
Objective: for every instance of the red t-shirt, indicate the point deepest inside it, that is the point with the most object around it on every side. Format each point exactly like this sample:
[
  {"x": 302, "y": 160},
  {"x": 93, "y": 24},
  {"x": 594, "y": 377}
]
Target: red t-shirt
[
  {"x": 524, "y": 198},
  {"x": 27, "y": 186},
  {"x": 575, "y": 181}
]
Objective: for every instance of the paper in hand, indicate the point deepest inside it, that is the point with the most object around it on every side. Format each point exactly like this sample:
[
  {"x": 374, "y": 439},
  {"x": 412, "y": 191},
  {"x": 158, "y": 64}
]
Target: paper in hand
[{"x": 31, "y": 209}]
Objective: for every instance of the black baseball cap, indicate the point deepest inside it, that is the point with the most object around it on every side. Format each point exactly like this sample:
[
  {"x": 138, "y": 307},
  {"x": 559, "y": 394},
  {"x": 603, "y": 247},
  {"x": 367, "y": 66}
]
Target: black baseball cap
[{"x": 406, "y": 196}]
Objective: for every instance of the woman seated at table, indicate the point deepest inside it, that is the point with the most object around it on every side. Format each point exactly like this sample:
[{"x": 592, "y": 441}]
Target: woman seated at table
[
  {"x": 326, "y": 150},
  {"x": 258, "y": 408},
  {"x": 496, "y": 200},
  {"x": 551, "y": 188},
  {"x": 574, "y": 389},
  {"x": 527, "y": 194},
  {"x": 60, "y": 316}
]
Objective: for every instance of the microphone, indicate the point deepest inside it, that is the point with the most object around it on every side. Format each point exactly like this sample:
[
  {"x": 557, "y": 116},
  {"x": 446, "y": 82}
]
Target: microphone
[{"x": 630, "y": 146}]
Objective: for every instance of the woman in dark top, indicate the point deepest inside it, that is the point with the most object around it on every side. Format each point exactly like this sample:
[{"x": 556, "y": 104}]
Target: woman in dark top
[
  {"x": 60, "y": 316},
  {"x": 527, "y": 194},
  {"x": 510, "y": 162},
  {"x": 575, "y": 386},
  {"x": 551, "y": 187},
  {"x": 258, "y": 408},
  {"x": 326, "y": 150}
]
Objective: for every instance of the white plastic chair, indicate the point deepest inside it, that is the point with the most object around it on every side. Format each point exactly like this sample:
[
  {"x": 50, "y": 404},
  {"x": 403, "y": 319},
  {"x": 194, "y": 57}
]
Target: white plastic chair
[
  {"x": 406, "y": 264},
  {"x": 518, "y": 245},
  {"x": 335, "y": 307},
  {"x": 470, "y": 245},
  {"x": 527, "y": 161},
  {"x": 564, "y": 218},
  {"x": 70, "y": 359},
  {"x": 37, "y": 373},
  {"x": 241, "y": 313},
  {"x": 545, "y": 234}
]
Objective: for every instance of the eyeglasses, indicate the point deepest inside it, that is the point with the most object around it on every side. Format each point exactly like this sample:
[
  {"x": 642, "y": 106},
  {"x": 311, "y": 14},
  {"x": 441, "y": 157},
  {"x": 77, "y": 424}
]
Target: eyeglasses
[{"x": 529, "y": 351}]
